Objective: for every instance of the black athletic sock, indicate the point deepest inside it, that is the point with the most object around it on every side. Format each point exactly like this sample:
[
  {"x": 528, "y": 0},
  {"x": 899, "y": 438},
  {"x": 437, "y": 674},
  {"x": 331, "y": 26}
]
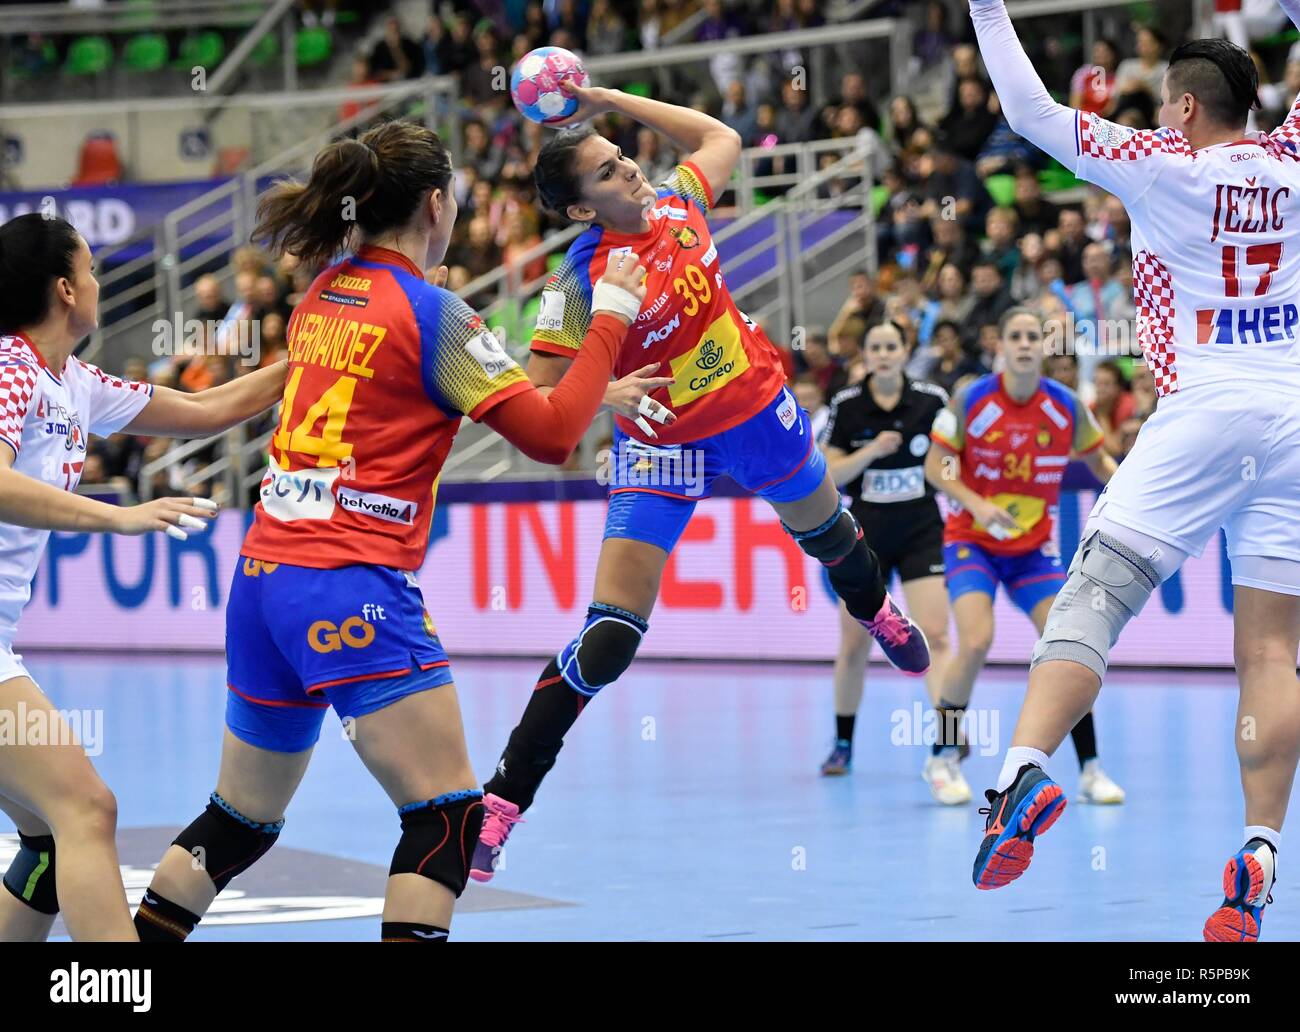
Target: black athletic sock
[
  {"x": 536, "y": 741},
  {"x": 1084, "y": 736},
  {"x": 950, "y": 732},
  {"x": 857, "y": 580},
  {"x": 405, "y": 931},
  {"x": 160, "y": 920},
  {"x": 844, "y": 727}
]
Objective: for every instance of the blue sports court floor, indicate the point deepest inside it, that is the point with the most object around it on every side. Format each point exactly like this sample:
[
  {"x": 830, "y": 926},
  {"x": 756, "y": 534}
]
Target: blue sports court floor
[{"x": 687, "y": 805}]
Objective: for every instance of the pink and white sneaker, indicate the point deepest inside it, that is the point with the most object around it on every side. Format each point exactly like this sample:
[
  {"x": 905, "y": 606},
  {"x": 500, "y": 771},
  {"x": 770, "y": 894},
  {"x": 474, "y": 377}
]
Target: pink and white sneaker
[
  {"x": 900, "y": 640},
  {"x": 499, "y": 816}
]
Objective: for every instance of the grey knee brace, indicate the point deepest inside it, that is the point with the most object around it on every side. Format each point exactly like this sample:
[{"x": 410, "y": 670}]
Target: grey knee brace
[{"x": 1108, "y": 585}]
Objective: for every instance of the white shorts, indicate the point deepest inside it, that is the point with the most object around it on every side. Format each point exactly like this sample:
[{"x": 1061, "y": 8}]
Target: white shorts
[
  {"x": 1216, "y": 457},
  {"x": 11, "y": 664}
]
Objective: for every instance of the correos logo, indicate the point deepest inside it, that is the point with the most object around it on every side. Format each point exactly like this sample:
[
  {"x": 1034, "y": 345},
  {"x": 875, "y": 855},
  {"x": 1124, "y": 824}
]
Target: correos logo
[{"x": 354, "y": 632}]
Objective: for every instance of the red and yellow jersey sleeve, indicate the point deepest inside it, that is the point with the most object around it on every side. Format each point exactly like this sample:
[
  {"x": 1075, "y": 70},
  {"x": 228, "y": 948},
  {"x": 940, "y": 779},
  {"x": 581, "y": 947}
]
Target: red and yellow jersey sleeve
[
  {"x": 565, "y": 315},
  {"x": 949, "y": 427},
  {"x": 466, "y": 369},
  {"x": 687, "y": 181},
  {"x": 1087, "y": 432}
]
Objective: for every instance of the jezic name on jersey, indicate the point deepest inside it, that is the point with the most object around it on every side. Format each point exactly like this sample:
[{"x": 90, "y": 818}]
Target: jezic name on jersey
[{"x": 1247, "y": 325}]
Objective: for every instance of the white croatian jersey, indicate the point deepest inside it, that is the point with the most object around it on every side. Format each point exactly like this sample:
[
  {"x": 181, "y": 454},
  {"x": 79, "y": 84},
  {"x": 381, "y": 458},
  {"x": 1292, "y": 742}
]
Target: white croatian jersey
[
  {"x": 1216, "y": 231},
  {"x": 44, "y": 418}
]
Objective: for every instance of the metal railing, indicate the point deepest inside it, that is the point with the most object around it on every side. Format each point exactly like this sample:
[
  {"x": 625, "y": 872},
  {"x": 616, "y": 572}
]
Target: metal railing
[{"x": 125, "y": 16}]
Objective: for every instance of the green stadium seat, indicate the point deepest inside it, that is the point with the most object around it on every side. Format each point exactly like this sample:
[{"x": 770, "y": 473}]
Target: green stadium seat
[
  {"x": 49, "y": 59},
  {"x": 1054, "y": 180},
  {"x": 313, "y": 46},
  {"x": 203, "y": 50},
  {"x": 879, "y": 198},
  {"x": 266, "y": 51},
  {"x": 88, "y": 55},
  {"x": 529, "y": 316},
  {"x": 147, "y": 52},
  {"x": 554, "y": 261},
  {"x": 1002, "y": 189},
  {"x": 637, "y": 89}
]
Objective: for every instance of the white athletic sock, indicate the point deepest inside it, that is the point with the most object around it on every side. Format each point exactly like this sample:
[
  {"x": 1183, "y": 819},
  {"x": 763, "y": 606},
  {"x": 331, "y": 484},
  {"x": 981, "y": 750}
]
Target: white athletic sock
[
  {"x": 1260, "y": 831},
  {"x": 1017, "y": 757}
]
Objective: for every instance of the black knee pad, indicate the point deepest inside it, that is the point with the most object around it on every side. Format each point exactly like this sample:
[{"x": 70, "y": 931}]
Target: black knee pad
[
  {"x": 830, "y": 543},
  {"x": 30, "y": 877},
  {"x": 603, "y": 649},
  {"x": 438, "y": 838},
  {"x": 225, "y": 842}
]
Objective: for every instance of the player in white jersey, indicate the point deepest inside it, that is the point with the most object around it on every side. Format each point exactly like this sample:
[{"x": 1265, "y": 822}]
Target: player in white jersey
[
  {"x": 1216, "y": 244},
  {"x": 49, "y": 402}
]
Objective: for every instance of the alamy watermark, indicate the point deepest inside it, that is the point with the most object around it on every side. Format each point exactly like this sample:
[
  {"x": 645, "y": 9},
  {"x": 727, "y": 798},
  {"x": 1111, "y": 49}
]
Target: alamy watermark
[
  {"x": 40, "y": 726},
  {"x": 225, "y": 337}
]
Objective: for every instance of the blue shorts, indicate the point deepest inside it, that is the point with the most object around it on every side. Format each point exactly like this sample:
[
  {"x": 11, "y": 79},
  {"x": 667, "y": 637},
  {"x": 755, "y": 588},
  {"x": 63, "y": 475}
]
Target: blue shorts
[
  {"x": 1028, "y": 578},
  {"x": 300, "y": 640},
  {"x": 654, "y": 488}
]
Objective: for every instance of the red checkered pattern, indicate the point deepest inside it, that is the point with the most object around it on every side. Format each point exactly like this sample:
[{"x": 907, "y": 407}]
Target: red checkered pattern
[
  {"x": 1153, "y": 290},
  {"x": 112, "y": 381},
  {"x": 1095, "y": 133},
  {"x": 1283, "y": 141},
  {"x": 18, "y": 375}
]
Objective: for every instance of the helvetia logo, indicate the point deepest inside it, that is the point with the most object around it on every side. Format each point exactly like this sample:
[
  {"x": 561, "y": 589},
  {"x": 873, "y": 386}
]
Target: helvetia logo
[{"x": 381, "y": 507}]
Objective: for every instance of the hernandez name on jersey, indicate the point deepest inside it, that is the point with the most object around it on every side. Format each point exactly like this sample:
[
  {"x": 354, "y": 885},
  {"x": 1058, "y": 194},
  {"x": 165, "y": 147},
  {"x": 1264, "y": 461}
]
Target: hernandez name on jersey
[
  {"x": 1014, "y": 454},
  {"x": 382, "y": 366},
  {"x": 44, "y": 417},
  {"x": 726, "y": 369}
]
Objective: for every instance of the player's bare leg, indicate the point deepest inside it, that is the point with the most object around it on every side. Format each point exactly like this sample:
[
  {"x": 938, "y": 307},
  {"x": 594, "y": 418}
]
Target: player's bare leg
[
  {"x": 628, "y": 574},
  {"x": 255, "y": 783},
  {"x": 20, "y": 921},
  {"x": 416, "y": 750},
  {"x": 849, "y": 679},
  {"x": 927, "y": 604},
  {"x": 59, "y": 784},
  {"x": 973, "y": 613},
  {"x": 1267, "y": 636}
]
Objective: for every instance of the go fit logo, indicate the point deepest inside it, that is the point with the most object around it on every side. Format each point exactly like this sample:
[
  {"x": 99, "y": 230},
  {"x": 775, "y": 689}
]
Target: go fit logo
[{"x": 356, "y": 632}]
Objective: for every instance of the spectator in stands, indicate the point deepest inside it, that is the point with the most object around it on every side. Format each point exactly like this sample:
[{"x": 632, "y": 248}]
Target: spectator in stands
[
  {"x": 737, "y": 112},
  {"x": 318, "y": 12},
  {"x": 1146, "y": 72},
  {"x": 1052, "y": 291},
  {"x": 951, "y": 303},
  {"x": 479, "y": 153},
  {"x": 1003, "y": 151},
  {"x": 1114, "y": 228},
  {"x": 991, "y": 297},
  {"x": 359, "y": 78},
  {"x": 210, "y": 303},
  {"x": 267, "y": 297},
  {"x": 271, "y": 340},
  {"x": 654, "y": 159},
  {"x": 1035, "y": 212},
  {"x": 986, "y": 348},
  {"x": 1112, "y": 403},
  {"x": 1097, "y": 302},
  {"x": 1143, "y": 386},
  {"x": 863, "y": 303},
  {"x": 952, "y": 188},
  {"x": 456, "y": 50},
  {"x": 812, "y": 398},
  {"x": 931, "y": 42},
  {"x": 945, "y": 361},
  {"x": 1093, "y": 86},
  {"x": 1063, "y": 368},
  {"x": 846, "y": 349},
  {"x": 650, "y": 24},
  {"x": 796, "y": 118},
  {"x": 479, "y": 80},
  {"x": 854, "y": 94},
  {"x": 967, "y": 127},
  {"x": 564, "y": 16},
  {"x": 479, "y": 254},
  {"x": 903, "y": 122},
  {"x": 396, "y": 56},
  {"x": 522, "y": 236},
  {"x": 606, "y": 30},
  {"x": 949, "y": 246},
  {"x": 1070, "y": 240},
  {"x": 1001, "y": 229},
  {"x": 1024, "y": 281},
  {"x": 817, "y": 361}
]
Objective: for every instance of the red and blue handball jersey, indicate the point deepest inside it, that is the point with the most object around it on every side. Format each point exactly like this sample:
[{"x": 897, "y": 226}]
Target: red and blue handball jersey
[
  {"x": 1015, "y": 455},
  {"x": 382, "y": 366},
  {"x": 726, "y": 369}
]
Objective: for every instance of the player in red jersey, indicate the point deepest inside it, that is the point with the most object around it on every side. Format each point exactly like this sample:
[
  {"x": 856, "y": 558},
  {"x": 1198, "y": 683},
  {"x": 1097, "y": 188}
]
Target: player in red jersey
[
  {"x": 999, "y": 453},
  {"x": 324, "y": 609},
  {"x": 734, "y": 417}
]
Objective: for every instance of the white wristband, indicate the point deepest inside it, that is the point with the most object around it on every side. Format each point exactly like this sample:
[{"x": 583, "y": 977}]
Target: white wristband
[{"x": 608, "y": 298}]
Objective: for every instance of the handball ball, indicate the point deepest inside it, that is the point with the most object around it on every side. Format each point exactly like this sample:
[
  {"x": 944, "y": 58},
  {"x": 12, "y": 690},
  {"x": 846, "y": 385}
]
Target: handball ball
[{"x": 535, "y": 84}]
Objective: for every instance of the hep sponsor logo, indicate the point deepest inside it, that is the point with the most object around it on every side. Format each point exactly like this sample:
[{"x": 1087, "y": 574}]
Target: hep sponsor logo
[
  {"x": 1247, "y": 326},
  {"x": 356, "y": 632}
]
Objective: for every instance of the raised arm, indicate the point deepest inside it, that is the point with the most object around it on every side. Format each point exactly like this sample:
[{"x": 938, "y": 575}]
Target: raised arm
[
  {"x": 1290, "y": 128},
  {"x": 1029, "y": 108}
]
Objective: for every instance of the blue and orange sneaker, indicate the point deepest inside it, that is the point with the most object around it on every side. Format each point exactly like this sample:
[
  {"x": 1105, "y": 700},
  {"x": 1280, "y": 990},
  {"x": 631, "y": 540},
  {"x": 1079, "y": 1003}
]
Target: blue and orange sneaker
[
  {"x": 499, "y": 816},
  {"x": 840, "y": 761},
  {"x": 1026, "y": 809},
  {"x": 1247, "y": 881},
  {"x": 900, "y": 640}
]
